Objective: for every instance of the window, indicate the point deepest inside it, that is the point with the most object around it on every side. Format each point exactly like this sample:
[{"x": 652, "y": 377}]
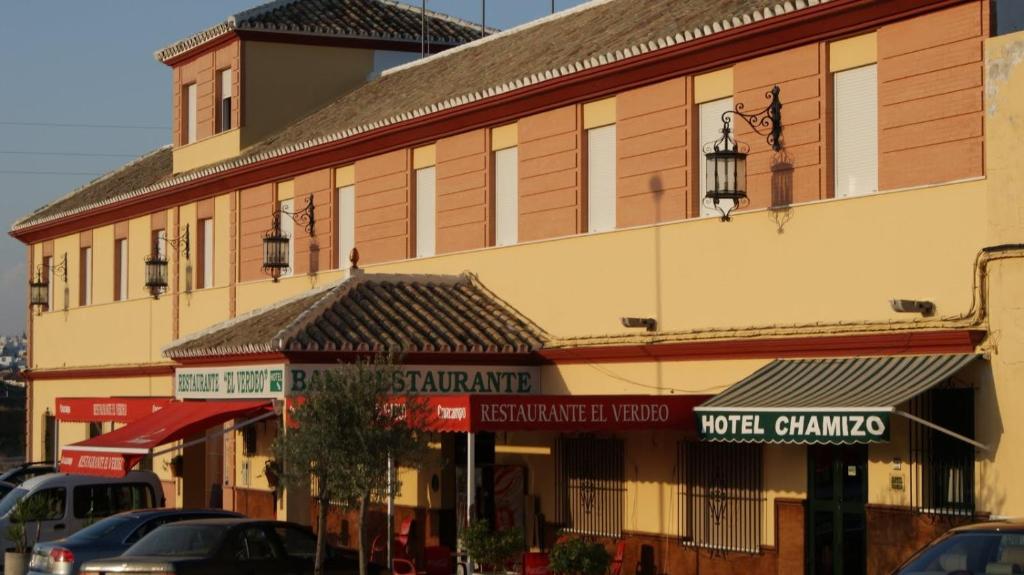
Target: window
[
  {"x": 721, "y": 496},
  {"x": 205, "y": 253},
  {"x": 85, "y": 276},
  {"x": 856, "y": 131},
  {"x": 224, "y": 100},
  {"x": 121, "y": 269},
  {"x": 346, "y": 223},
  {"x": 50, "y": 437},
  {"x": 710, "y": 130},
  {"x": 48, "y": 270},
  {"x": 288, "y": 230},
  {"x": 506, "y": 196},
  {"x": 297, "y": 542},
  {"x": 942, "y": 467},
  {"x": 159, "y": 248},
  {"x": 426, "y": 211},
  {"x": 591, "y": 476},
  {"x": 190, "y": 109},
  {"x": 253, "y": 543},
  {"x": 95, "y": 428},
  {"x": 601, "y": 179},
  {"x": 54, "y": 501},
  {"x": 104, "y": 500}
]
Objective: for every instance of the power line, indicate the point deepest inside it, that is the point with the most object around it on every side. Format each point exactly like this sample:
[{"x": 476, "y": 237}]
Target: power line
[
  {"x": 99, "y": 126},
  {"x": 72, "y": 154},
  {"x": 35, "y": 173}
]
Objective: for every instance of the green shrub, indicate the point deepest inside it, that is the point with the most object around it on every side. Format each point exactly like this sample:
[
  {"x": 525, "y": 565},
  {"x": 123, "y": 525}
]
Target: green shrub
[
  {"x": 492, "y": 548},
  {"x": 577, "y": 556}
]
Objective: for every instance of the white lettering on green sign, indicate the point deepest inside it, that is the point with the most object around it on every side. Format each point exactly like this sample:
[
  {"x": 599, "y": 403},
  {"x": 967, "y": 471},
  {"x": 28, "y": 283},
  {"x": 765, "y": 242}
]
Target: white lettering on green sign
[{"x": 769, "y": 427}]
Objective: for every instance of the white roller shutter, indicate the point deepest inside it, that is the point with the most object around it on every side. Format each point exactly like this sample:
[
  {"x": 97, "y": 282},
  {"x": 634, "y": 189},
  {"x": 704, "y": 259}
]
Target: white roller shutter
[
  {"x": 506, "y": 196},
  {"x": 346, "y": 224},
  {"x": 856, "y": 131},
  {"x": 601, "y": 179},
  {"x": 426, "y": 211}
]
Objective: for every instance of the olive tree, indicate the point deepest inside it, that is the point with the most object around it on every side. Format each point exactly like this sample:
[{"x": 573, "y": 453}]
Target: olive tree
[{"x": 341, "y": 434}]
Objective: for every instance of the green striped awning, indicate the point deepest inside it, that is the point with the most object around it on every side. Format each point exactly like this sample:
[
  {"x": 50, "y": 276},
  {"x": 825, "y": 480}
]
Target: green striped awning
[{"x": 834, "y": 400}]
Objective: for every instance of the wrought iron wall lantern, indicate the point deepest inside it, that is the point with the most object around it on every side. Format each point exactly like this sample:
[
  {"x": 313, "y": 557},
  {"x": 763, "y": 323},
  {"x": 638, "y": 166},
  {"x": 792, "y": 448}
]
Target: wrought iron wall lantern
[
  {"x": 39, "y": 289},
  {"x": 726, "y": 184},
  {"x": 157, "y": 277},
  {"x": 276, "y": 243}
]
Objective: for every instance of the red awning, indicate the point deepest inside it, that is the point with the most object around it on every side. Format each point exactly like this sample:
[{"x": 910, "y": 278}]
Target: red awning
[
  {"x": 116, "y": 409},
  {"x": 464, "y": 413},
  {"x": 113, "y": 454}
]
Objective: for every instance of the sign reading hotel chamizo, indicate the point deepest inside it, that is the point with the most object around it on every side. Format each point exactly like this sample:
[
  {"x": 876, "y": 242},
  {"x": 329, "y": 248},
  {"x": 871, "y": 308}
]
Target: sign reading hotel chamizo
[
  {"x": 835, "y": 427},
  {"x": 279, "y": 380}
]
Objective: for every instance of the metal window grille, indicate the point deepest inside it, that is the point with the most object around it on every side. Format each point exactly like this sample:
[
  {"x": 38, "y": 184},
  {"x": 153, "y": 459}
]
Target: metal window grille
[
  {"x": 591, "y": 479},
  {"x": 721, "y": 496},
  {"x": 942, "y": 467}
]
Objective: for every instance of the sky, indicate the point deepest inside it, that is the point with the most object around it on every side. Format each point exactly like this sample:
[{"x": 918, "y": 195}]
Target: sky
[{"x": 81, "y": 94}]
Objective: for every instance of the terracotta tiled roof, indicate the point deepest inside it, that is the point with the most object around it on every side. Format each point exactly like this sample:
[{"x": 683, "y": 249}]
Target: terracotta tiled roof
[
  {"x": 588, "y": 36},
  {"x": 380, "y": 313},
  {"x": 378, "y": 20}
]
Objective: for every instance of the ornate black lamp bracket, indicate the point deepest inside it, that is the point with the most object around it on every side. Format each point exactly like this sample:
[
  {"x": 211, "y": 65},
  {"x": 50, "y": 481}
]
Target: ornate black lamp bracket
[
  {"x": 182, "y": 243},
  {"x": 306, "y": 217},
  {"x": 766, "y": 122},
  {"x": 61, "y": 268}
]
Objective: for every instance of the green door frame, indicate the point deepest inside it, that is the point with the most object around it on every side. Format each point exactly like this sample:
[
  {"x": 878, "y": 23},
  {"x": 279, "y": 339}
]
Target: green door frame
[{"x": 842, "y": 503}]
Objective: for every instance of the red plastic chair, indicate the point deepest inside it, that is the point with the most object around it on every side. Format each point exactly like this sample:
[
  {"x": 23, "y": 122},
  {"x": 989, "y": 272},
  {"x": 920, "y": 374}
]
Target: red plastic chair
[
  {"x": 620, "y": 552},
  {"x": 405, "y": 531},
  {"x": 402, "y": 567},
  {"x": 378, "y": 549}
]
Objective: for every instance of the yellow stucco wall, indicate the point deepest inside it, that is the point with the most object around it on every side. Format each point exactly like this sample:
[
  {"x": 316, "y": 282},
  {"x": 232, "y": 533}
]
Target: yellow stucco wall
[{"x": 207, "y": 151}]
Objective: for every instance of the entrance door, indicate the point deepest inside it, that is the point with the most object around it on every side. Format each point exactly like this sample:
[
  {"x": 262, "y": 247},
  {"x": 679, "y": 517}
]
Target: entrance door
[{"x": 838, "y": 488}]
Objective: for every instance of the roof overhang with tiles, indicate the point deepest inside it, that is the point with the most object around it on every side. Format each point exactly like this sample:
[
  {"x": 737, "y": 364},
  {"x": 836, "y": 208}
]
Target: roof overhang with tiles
[{"x": 418, "y": 318}]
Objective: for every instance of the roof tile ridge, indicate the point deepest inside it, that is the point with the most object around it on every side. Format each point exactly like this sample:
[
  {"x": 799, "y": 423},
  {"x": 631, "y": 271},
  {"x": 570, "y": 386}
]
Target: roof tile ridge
[
  {"x": 245, "y": 316},
  {"x": 473, "y": 280},
  {"x": 439, "y": 16},
  {"x": 259, "y": 10},
  {"x": 498, "y": 34},
  {"x": 93, "y": 182},
  {"x": 198, "y": 39},
  {"x": 331, "y": 294}
]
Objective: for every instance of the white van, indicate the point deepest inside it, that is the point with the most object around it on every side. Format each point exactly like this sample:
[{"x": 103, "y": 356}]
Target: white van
[{"x": 75, "y": 501}]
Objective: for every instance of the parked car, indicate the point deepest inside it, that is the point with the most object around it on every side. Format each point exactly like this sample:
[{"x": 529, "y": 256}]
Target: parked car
[
  {"x": 226, "y": 547},
  {"x": 108, "y": 537},
  {"x": 6, "y": 488},
  {"x": 74, "y": 501},
  {"x": 25, "y": 471},
  {"x": 993, "y": 547}
]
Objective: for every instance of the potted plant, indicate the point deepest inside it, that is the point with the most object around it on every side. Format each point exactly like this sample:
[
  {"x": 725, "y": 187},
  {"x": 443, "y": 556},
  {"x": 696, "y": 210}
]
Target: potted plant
[
  {"x": 493, "y": 550},
  {"x": 272, "y": 471},
  {"x": 17, "y": 557},
  {"x": 577, "y": 556},
  {"x": 177, "y": 466}
]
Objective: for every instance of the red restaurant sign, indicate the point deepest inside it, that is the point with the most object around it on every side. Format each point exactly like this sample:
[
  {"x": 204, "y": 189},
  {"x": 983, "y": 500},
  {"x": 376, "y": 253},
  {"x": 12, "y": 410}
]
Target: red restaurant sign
[
  {"x": 462, "y": 413},
  {"x": 116, "y": 409}
]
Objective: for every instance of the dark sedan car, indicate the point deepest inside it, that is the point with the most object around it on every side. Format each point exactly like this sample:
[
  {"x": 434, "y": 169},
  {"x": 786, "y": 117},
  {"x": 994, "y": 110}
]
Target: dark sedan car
[
  {"x": 225, "y": 547},
  {"x": 18, "y": 475},
  {"x": 993, "y": 547},
  {"x": 108, "y": 537}
]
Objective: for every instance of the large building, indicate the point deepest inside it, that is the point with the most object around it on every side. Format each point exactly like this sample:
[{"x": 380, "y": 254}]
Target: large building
[{"x": 819, "y": 381}]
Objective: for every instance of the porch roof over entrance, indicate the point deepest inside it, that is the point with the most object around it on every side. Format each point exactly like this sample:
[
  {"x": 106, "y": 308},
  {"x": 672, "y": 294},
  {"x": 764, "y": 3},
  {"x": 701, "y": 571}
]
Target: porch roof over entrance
[
  {"x": 834, "y": 400},
  {"x": 113, "y": 454},
  {"x": 375, "y": 313}
]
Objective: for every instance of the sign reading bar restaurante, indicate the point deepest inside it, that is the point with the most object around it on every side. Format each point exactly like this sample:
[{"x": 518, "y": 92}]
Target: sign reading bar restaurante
[
  {"x": 835, "y": 427},
  {"x": 278, "y": 380}
]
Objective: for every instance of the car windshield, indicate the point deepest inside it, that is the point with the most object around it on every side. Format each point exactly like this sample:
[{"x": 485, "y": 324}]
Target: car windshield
[
  {"x": 104, "y": 528},
  {"x": 970, "y": 552},
  {"x": 179, "y": 540},
  {"x": 11, "y": 499}
]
